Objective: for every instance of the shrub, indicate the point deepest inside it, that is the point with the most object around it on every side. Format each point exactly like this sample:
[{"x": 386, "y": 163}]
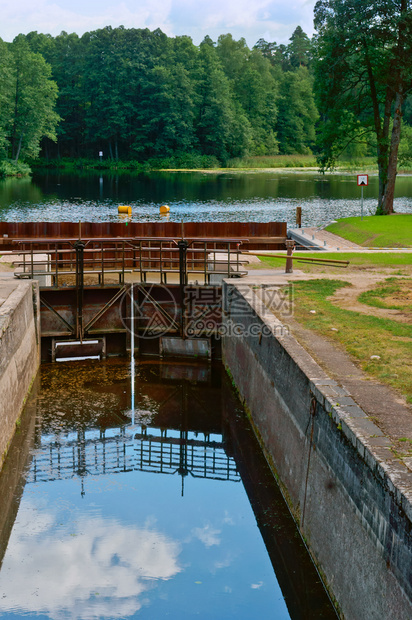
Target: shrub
[{"x": 10, "y": 168}]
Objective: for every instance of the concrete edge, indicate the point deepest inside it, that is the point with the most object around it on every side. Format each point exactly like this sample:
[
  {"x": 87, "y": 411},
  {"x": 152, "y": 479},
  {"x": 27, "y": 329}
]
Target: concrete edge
[
  {"x": 12, "y": 302},
  {"x": 365, "y": 436},
  {"x": 19, "y": 329}
]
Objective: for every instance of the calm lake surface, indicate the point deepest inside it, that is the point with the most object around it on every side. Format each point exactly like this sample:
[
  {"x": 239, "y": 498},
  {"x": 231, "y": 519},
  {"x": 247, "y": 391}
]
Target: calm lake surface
[
  {"x": 146, "y": 500},
  {"x": 194, "y": 196}
]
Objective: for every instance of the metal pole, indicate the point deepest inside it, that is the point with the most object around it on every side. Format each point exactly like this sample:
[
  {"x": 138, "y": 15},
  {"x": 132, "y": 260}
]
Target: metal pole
[
  {"x": 361, "y": 203},
  {"x": 132, "y": 369},
  {"x": 304, "y": 259},
  {"x": 79, "y": 247},
  {"x": 182, "y": 245}
]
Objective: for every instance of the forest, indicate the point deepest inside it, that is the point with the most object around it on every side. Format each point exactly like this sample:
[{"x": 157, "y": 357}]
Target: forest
[
  {"x": 123, "y": 94},
  {"x": 137, "y": 94}
]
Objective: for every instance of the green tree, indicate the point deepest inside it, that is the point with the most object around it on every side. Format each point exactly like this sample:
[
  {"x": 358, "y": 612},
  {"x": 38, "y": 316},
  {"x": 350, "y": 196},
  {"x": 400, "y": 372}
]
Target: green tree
[
  {"x": 362, "y": 76},
  {"x": 165, "y": 109},
  {"x": 106, "y": 80},
  {"x": 6, "y": 97},
  {"x": 297, "y": 112},
  {"x": 405, "y": 146},
  {"x": 34, "y": 98},
  {"x": 278, "y": 55},
  {"x": 222, "y": 127},
  {"x": 255, "y": 90},
  {"x": 299, "y": 49},
  {"x": 66, "y": 56}
]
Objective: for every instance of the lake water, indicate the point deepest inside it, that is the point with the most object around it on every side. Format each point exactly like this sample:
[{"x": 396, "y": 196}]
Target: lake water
[
  {"x": 147, "y": 499},
  {"x": 194, "y": 196}
]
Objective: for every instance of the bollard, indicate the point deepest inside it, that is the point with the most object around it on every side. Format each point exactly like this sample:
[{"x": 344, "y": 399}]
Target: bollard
[
  {"x": 299, "y": 217},
  {"x": 290, "y": 244}
]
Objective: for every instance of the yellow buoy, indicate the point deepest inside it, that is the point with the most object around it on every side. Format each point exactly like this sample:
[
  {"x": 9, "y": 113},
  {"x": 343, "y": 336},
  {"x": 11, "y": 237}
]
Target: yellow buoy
[
  {"x": 125, "y": 209},
  {"x": 164, "y": 209}
]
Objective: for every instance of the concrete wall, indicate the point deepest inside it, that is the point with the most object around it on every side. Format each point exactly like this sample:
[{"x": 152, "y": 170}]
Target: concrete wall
[
  {"x": 19, "y": 354},
  {"x": 350, "y": 496}
]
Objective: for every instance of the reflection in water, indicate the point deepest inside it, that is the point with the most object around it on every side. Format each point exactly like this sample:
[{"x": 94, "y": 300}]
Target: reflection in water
[
  {"x": 197, "y": 196},
  {"x": 88, "y": 566},
  {"x": 124, "y": 514}
]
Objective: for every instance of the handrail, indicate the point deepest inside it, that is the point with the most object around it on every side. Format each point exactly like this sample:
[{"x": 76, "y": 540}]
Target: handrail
[{"x": 154, "y": 255}]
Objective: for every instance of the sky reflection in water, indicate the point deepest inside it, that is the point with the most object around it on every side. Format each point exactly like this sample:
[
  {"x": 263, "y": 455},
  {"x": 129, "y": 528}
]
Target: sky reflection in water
[{"x": 128, "y": 544}]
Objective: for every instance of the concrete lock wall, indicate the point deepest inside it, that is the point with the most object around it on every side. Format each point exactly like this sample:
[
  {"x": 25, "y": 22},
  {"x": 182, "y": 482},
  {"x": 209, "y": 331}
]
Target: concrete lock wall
[
  {"x": 19, "y": 355},
  {"x": 353, "y": 509}
]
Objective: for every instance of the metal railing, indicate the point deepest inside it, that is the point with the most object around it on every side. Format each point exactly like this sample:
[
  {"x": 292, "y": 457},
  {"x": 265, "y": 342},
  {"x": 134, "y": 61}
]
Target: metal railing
[{"x": 55, "y": 261}]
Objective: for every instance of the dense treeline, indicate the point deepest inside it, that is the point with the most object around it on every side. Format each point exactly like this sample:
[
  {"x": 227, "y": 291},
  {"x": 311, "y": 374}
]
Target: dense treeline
[
  {"x": 27, "y": 101},
  {"x": 137, "y": 94},
  {"x": 141, "y": 96}
]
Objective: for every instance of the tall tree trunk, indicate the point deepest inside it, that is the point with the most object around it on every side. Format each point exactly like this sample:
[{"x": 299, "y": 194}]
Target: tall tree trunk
[
  {"x": 381, "y": 131},
  {"x": 382, "y": 171},
  {"x": 19, "y": 147},
  {"x": 387, "y": 203},
  {"x": 383, "y": 148},
  {"x": 401, "y": 65}
]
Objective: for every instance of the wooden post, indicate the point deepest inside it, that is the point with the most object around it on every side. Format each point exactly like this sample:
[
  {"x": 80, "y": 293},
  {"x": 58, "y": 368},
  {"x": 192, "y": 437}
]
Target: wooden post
[
  {"x": 299, "y": 217},
  {"x": 290, "y": 244}
]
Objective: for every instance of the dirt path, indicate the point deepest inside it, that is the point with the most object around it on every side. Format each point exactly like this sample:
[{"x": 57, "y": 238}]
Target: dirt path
[{"x": 347, "y": 298}]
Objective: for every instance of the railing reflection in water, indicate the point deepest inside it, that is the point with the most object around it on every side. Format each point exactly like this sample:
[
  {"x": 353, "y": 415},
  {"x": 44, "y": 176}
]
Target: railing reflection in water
[{"x": 123, "y": 450}]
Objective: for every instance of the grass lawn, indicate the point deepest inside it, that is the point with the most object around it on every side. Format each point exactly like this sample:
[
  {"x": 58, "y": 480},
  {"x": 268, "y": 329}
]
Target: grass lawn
[
  {"x": 359, "y": 334},
  {"x": 376, "y": 231}
]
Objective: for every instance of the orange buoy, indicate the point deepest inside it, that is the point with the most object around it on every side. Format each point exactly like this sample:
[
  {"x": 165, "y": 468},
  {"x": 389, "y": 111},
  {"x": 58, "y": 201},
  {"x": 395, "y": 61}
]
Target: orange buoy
[
  {"x": 125, "y": 209},
  {"x": 164, "y": 209}
]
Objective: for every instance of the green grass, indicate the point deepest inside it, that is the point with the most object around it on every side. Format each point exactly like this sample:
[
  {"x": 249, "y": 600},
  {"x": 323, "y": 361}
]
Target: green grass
[
  {"x": 354, "y": 164},
  {"x": 360, "y": 335},
  {"x": 393, "y": 289},
  {"x": 365, "y": 260},
  {"x": 377, "y": 231},
  {"x": 273, "y": 161},
  {"x": 179, "y": 161}
]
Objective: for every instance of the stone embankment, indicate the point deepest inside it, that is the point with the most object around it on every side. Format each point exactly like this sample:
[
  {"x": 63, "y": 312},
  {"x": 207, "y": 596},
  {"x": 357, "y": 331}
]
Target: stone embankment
[
  {"x": 349, "y": 493},
  {"x": 19, "y": 352}
]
